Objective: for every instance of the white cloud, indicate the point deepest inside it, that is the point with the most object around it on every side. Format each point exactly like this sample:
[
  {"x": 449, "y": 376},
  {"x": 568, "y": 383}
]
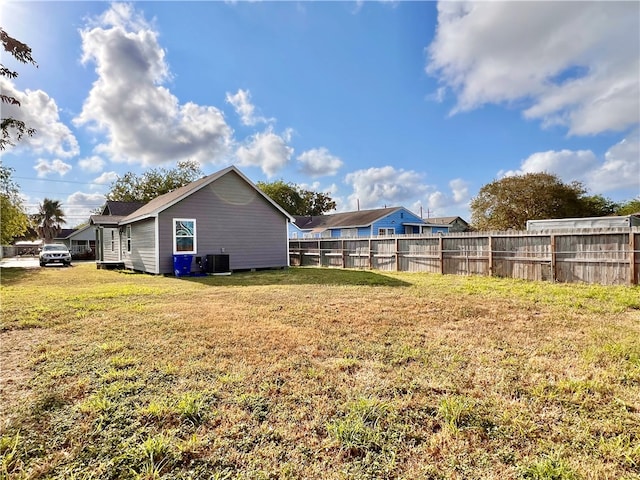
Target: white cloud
[
  {"x": 80, "y": 205},
  {"x": 266, "y": 150},
  {"x": 241, "y": 102},
  {"x": 37, "y": 110},
  {"x": 442, "y": 204},
  {"x": 45, "y": 167},
  {"x": 459, "y": 190},
  {"x": 318, "y": 162},
  {"x": 106, "y": 178},
  {"x": 618, "y": 170},
  {"x": 572, "y": 63},
  {"x": 143, "y": 121},
  {"x": 93, "y": 164},
  {"x": 377, "y": 187},
  {"x": 621, "y": 167},
  {"x": 567, "y": 164}
]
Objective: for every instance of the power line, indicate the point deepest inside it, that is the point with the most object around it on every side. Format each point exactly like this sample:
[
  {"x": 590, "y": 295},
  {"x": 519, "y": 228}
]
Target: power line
[{"x": 60, "y": 181}]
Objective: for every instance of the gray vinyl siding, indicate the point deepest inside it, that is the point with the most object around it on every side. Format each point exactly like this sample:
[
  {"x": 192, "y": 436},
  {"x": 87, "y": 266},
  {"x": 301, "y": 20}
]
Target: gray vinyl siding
[
  {"x": 230, "y": 215},
  {"x": 111, "y": 251},
  {"x": 143, "y": 241}
]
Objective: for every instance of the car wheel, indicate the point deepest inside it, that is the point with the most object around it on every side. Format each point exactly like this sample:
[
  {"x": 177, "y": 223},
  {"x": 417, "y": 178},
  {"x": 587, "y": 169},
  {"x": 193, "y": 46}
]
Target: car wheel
[{"x": 42, "y": 264}]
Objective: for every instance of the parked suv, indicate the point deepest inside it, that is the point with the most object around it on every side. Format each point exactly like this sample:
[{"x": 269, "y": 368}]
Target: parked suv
[{"x": 55, "y": 253}]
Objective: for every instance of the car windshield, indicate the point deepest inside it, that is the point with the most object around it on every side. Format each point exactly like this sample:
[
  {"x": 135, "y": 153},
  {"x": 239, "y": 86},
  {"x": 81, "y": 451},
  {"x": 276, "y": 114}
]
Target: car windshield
[{"x": 55, "y": 248}]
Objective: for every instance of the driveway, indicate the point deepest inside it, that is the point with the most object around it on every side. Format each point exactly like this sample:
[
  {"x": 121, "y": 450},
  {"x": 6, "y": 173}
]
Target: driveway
[
  {"x": 32, "y": 262},
  {"x": 20, "y": 262}
]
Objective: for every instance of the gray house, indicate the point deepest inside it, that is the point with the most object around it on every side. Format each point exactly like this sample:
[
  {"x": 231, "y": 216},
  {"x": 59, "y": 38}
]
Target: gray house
[
  {"x": 223, "y": 214},
  {"x": 108, "y": 250}
]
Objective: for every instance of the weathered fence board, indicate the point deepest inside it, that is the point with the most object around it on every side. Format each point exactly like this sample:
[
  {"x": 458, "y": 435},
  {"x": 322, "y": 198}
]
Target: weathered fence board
[{"x": 608, "y": 257}]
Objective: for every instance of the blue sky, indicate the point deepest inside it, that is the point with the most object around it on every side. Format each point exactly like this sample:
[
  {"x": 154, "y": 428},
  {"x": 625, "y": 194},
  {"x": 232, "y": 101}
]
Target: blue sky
[{"x": 417, "y": 104}]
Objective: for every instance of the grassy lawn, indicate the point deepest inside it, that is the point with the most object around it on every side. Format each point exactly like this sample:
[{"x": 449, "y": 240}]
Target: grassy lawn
[{"x": 316, "y": 374}]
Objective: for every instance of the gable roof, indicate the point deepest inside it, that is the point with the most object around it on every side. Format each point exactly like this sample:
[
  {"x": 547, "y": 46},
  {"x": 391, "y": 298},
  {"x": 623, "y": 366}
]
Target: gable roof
[
  {"x": 158, "y": 204},
  {"x": 105, "y": 220},
  {"x": 360, "y": 218},
  {"x": 65, "y": 233},
  {"x": 122, "y": 209},
  {"x": 443, "y": 220}
]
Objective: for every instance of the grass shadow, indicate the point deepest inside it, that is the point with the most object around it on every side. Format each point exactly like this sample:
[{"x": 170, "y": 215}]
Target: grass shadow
[
  {"x": 13, "y": 275},
  {"x": 301, "y": 276}
]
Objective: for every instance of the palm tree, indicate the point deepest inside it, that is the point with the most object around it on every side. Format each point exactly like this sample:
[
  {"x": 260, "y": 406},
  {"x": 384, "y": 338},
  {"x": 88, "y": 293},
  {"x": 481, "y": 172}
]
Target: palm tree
[{"x": 49, "y": 219}]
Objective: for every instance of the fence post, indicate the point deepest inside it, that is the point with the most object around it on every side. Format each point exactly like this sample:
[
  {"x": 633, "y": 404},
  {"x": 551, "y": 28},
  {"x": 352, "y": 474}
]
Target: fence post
[
  {"x": 632, "y": 257},
  {"x": 552, "y": 239},
  {"x": 397, "y": 255},
  {"x": 441, "y": 254},
  {"x": 490, "y": 255}
]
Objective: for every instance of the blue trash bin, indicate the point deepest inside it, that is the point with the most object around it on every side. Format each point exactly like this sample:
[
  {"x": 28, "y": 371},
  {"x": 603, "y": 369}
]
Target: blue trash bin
[{"x": 182, "y": 265}]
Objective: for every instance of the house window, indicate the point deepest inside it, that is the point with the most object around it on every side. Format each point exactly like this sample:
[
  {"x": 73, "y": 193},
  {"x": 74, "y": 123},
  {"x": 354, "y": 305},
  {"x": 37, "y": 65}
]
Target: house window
[
  {"x": 128, "y": 238},
  {"x": 184, "y": 235},
  {"x": 113, "y": 241},
  {"x": 386, "y": 231}
]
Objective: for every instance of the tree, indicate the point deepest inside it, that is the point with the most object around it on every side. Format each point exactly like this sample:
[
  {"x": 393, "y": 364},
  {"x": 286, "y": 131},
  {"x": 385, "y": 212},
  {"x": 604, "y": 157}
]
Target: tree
[
  {"x": 14, "y": 219},
  {"x": 49, "y": 219},
  {"x": 629, "y": 207},
  {"x": 509, "y": 202},
  {"x": 284, "y": 194},
  {"x": 316, "y": 203},
  {"x": 22, "y": 53},
  {"x": 154, "y": 182},
  {"x": 598, "y": 206},
  {"x": 295, "y": 200}
]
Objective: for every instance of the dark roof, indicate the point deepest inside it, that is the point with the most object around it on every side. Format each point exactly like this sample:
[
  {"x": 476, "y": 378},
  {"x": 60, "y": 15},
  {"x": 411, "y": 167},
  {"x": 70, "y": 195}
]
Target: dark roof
[
  {"x": 360, "y": 218},
  {"x": 163, "y": 202},
  {"x": 65, "y": 232},
  {"x": 111, "y": 220},
  {"x": 121, "y": 208},
  {"x": 443, "y": 220}
]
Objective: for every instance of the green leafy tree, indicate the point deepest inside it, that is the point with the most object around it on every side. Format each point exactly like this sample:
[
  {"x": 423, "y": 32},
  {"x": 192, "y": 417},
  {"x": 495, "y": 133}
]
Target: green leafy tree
[
  {"x": 509, "y": 202},
  {"x": 284, "y": 194},
  {"x": 49, "y": 219},
  {"x": 629, "y": 207},
  {"x": 598, "y": 206},
  {"x": 14, "y": 221},
  {"x": 154, "y": 182},
  {"x": 22, "y": 53},
  {"x": 316, "y": 203},
  {"x": 295, "y": 200}
]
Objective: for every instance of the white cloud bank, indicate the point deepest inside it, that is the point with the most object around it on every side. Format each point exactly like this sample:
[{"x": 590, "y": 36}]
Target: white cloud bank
[
  {"x": 266, "y": 150},
  {"x": 142, "y": 120},
  {"x": 618, "y": 170},
  {"x": 573, "y": 64},
  {"x": 318, "y": 162},
  {"x": 377, "y": 187},
  {"x": 241, "y": 102},
  {"x": 37, "y": 110},
  {"x": 45, "y": 167}
]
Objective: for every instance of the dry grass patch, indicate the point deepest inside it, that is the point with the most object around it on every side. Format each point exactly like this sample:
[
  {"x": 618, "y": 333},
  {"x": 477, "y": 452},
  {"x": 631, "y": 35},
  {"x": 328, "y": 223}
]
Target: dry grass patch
[{"x": 309, "y": 373}]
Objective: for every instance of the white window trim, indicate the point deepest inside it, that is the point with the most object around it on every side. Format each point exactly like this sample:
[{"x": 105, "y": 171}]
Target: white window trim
[
  {"x": 383, "y": 232},
  {"x": 128, "y": 238},
  {"x": 195, "y": 236}
]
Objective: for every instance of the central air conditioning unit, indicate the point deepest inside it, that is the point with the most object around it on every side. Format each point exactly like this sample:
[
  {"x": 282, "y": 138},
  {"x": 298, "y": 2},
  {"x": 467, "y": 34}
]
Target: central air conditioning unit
[{"x": 218, "y": 263}]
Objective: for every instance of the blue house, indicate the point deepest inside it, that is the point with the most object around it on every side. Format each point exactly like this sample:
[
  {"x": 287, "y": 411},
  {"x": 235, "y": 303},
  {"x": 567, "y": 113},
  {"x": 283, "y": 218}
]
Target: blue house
[{"x": 362, "y": 223}]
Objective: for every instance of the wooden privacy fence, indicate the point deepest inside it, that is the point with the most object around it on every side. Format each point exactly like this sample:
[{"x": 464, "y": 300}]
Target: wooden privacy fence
[{"x": 607, "y": 257}]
